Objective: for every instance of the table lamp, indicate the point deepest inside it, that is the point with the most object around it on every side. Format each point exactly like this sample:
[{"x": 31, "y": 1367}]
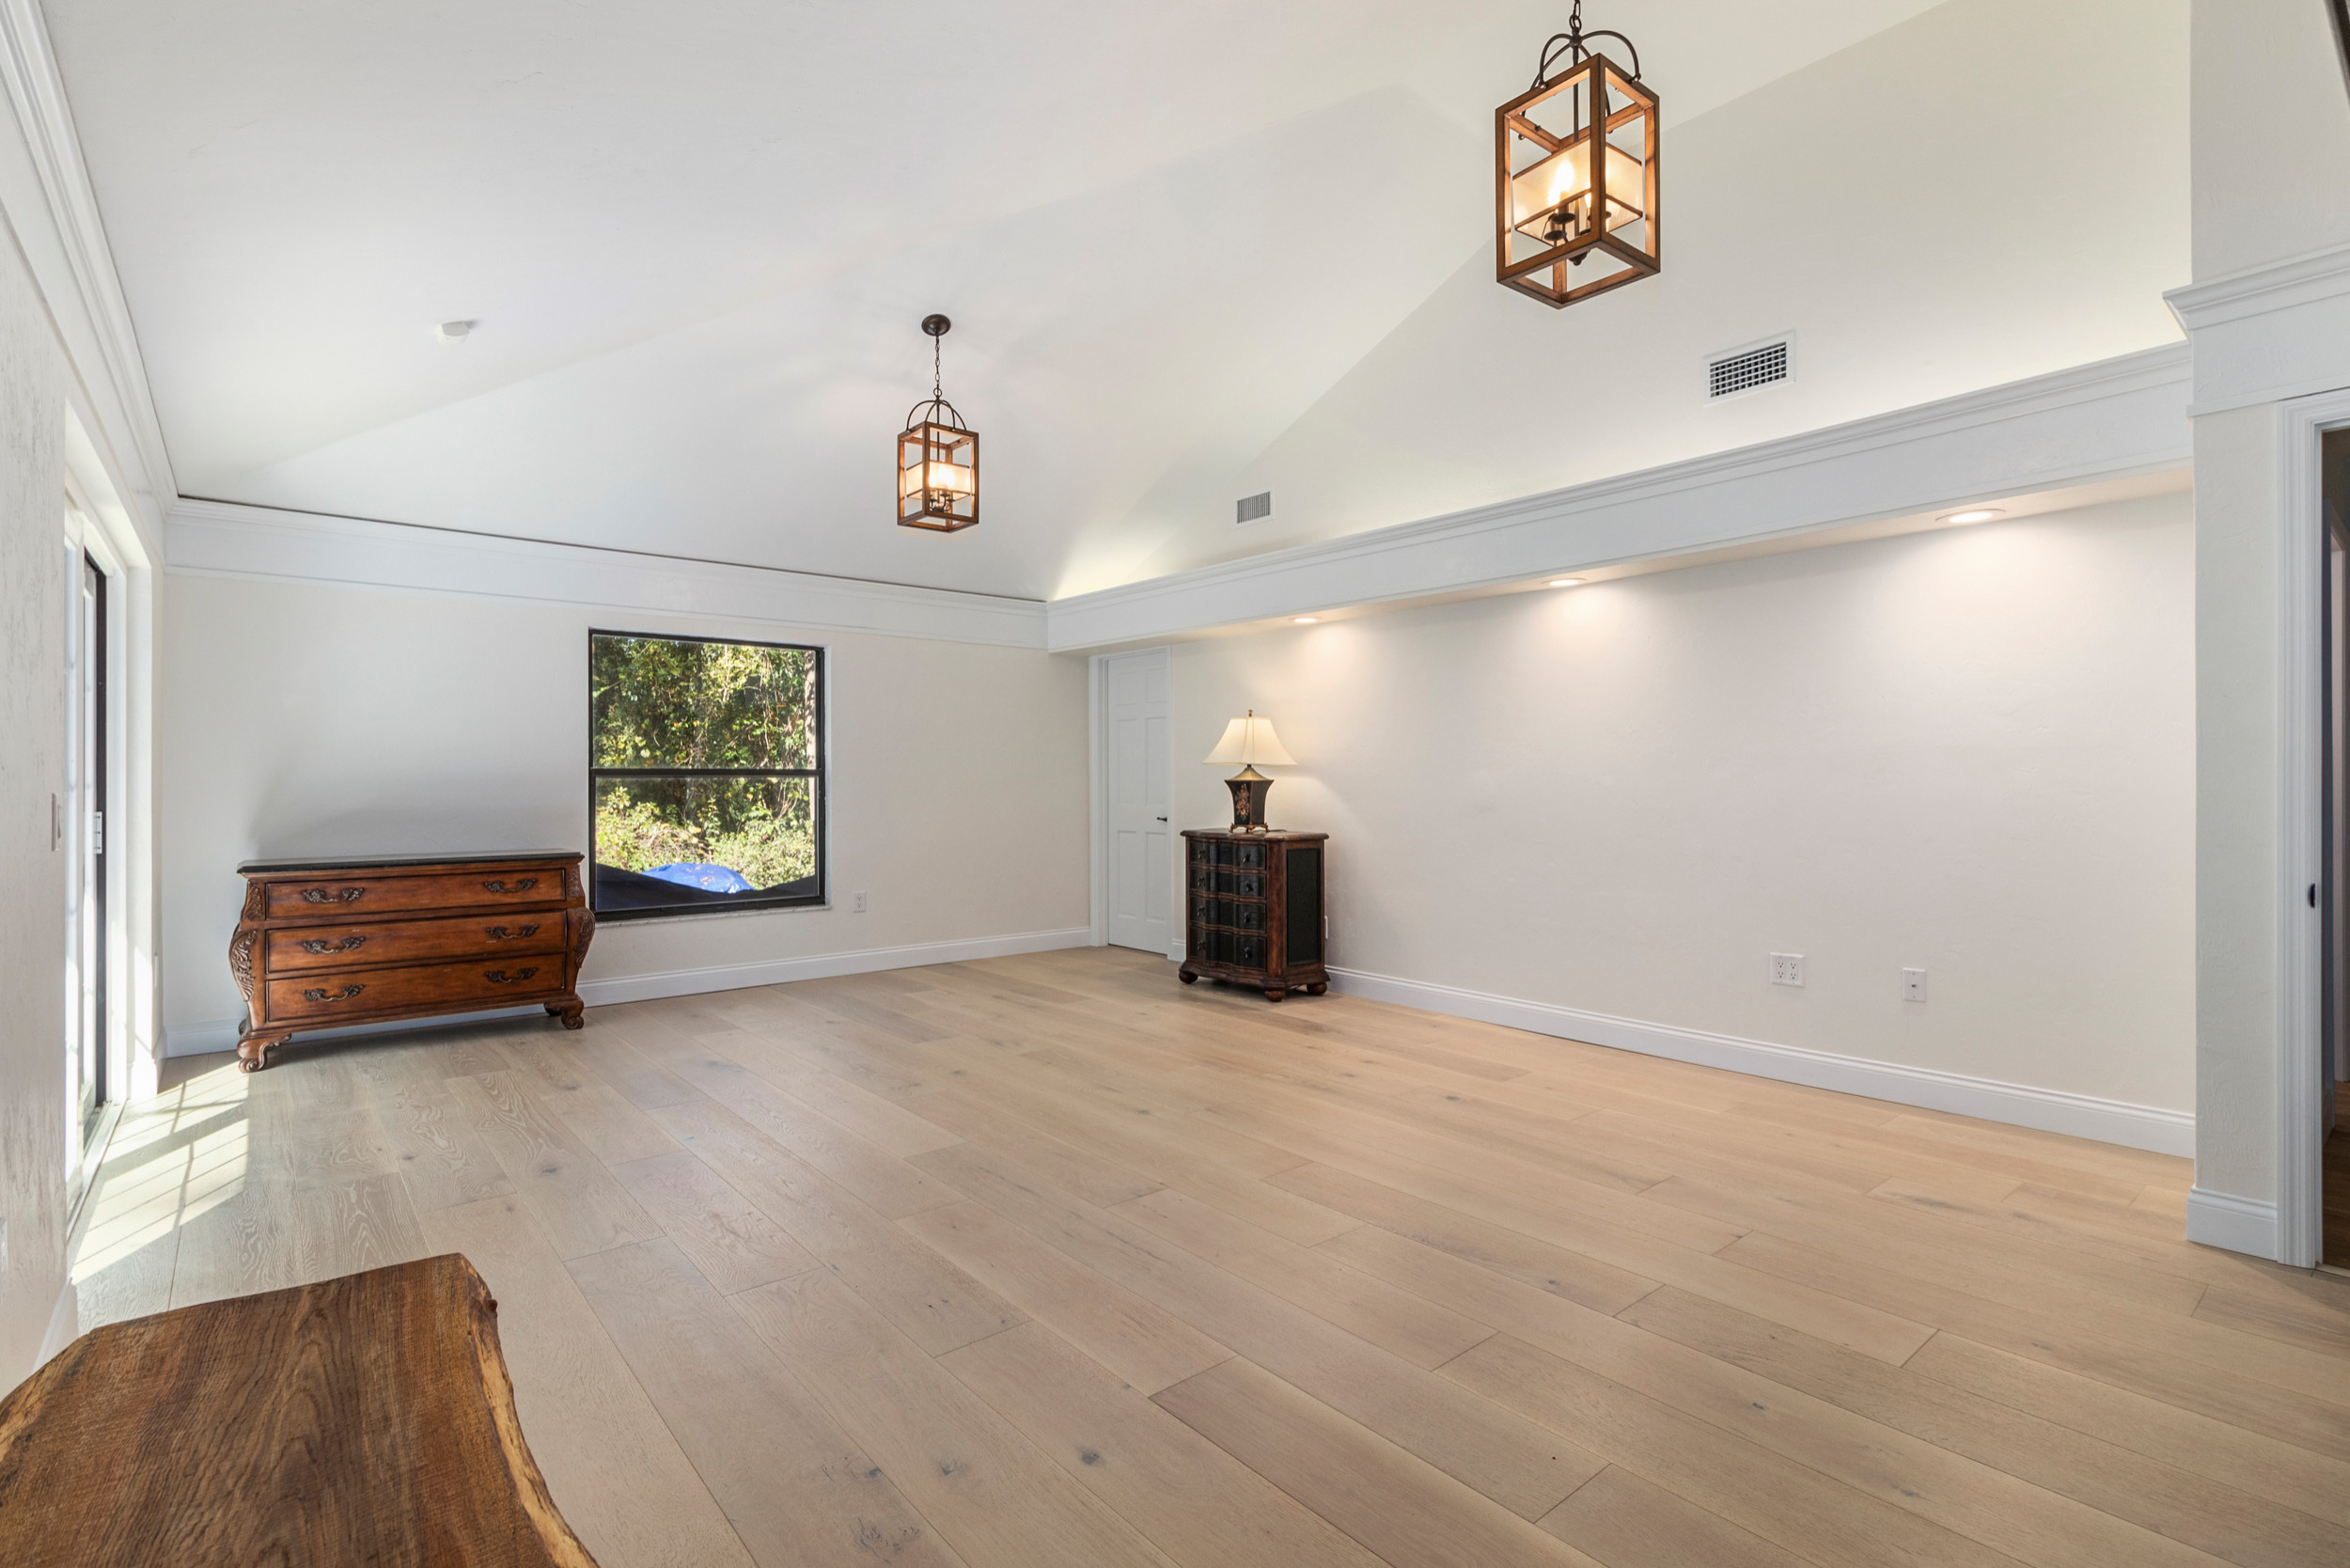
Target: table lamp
[{"x": 1250, "y": 741}]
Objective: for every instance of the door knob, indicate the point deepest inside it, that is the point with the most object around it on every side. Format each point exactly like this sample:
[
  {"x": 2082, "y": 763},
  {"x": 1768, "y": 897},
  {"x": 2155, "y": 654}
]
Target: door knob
[{"x": 1162, "y": 819}]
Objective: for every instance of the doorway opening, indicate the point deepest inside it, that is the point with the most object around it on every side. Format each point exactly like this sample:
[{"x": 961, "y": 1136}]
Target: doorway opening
[
  {"x": 81, "y": 834},
  {"x": 2333, "y": 1057}
]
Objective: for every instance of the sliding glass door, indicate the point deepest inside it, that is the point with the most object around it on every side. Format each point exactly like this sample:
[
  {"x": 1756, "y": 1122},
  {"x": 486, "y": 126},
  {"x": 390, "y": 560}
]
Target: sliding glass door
[{"x": 81, "y": 833}]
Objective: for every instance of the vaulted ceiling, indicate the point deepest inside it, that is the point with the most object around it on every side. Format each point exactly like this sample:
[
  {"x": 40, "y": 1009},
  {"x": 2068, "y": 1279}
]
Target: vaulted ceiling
[{"x": 697, "y": 236}]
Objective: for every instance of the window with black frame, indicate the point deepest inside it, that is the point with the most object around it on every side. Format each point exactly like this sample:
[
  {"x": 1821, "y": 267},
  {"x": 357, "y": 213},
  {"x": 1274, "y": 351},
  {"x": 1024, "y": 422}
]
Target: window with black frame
[{"x": 706, "y": 776}]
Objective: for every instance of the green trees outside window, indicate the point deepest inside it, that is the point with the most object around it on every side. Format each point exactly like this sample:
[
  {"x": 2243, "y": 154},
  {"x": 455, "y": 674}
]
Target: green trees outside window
[{"x": 706, "y": 778}]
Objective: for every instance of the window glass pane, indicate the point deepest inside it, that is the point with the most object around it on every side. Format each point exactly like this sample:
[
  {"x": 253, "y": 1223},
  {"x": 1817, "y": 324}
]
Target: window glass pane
[
  {"x": 659, "y": 703},
  {"x": 668, "y": 841}
]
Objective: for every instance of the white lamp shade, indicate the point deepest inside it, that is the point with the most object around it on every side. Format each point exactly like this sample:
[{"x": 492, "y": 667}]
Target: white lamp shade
[{"x": 1250, "y": 741}]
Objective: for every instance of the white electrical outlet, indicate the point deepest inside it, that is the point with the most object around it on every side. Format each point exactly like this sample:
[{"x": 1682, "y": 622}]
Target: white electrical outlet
[
  {"x": 857, "y": 904},
  {"x": 1913, "y": 986},
  {"x": 1787, "y": 968}
]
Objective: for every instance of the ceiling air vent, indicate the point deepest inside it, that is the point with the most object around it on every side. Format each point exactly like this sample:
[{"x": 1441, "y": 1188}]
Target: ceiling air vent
[
  {"x": 1253, "y": 509},
  {"x": 1750, "y": 368}
]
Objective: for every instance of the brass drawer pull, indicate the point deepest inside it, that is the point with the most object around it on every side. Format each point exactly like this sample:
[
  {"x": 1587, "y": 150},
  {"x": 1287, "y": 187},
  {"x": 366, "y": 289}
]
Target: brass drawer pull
[
  {"x": 499, "y": 934},
  {"x": 499, "y": 976},
  {"x": 348, "y": 945},
  {"x": 319, "y": 994},
  {"x": 320, "y": 895},
  {"x": 523, "y": 885}
]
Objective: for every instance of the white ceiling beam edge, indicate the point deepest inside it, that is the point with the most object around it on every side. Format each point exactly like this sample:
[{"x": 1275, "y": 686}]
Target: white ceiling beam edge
[
  {"x": 2267, "y": 334},
  {"x": 224, "y": 540},
  {"x": 2092, "y": 425},
  {"x": 51, "y": 205}
]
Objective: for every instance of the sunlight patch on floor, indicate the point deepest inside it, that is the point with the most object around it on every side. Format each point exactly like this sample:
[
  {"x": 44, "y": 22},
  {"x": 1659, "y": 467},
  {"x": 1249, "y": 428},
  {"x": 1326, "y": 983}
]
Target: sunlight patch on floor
[{"x": 171, "y": 1159}]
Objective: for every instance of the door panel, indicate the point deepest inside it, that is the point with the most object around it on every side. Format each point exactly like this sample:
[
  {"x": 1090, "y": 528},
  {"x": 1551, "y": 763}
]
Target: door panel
[{"x": 1135, "y": 718}]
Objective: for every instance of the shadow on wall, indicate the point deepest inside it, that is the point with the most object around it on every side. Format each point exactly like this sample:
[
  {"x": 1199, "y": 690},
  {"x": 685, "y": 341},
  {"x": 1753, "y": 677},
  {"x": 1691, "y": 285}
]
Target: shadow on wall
[{"x": 460, "y": 817}]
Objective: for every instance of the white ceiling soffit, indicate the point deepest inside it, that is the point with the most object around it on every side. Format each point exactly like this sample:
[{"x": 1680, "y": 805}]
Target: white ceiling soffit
[
  {"x": 2095, "y": 433},
  {"x": 697, "y": 233}
]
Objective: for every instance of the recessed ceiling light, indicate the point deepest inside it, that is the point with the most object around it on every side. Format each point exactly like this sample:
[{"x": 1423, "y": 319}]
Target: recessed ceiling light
[
  {"x": 1973, "y": 514},
  {"x": 1305, "y": 619},
  {"x": 1566, "y": 582}
]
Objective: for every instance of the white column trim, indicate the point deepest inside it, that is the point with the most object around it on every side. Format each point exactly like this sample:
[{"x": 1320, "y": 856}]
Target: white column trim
[
  {"x": 2300, "y": 825},
  {"x": 86, "y": 303},
  {"x": 2267, "y": 334}
]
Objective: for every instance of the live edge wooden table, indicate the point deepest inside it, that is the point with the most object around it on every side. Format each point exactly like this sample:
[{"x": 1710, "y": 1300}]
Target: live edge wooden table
[
  {"x": 362, "y": 1420},
  {"x": 324, "y": 942}
]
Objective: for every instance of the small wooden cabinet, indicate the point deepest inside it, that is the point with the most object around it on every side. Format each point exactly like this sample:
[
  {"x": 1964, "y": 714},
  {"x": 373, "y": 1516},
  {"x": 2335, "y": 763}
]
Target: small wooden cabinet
[
  {"x": 1253, "y": 909},
  {"x": 325, "y": 943}
]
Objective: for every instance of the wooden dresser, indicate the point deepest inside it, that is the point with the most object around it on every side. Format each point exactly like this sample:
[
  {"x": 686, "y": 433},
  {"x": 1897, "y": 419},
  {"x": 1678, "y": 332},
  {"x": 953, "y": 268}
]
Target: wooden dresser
[
  {"x": 325, "y": 943},
  {"x": 1253, "y": 909}
]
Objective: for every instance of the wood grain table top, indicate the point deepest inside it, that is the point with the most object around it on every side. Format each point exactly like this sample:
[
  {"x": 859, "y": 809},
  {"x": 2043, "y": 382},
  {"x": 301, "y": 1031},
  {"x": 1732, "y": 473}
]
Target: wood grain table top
[{"x": 362, "y": 1420}]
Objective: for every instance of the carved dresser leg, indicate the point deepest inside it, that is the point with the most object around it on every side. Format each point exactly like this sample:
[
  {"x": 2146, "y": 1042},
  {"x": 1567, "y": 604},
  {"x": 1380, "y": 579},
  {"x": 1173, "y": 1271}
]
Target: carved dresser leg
[
  {"x": 253, "y": 1051},
  {"x": 1275, "y": 994},
  {"x": 571, "y": 1010}
]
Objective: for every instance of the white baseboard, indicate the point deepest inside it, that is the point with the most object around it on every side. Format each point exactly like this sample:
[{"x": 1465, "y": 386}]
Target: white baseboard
[
  {"x": 2165, "y": 1132},
  {"x": 188, "y": 1040},
  {"x": 2238, "y": 1224},
  {"x": 734, "y": 977},
  {"x": 220, "y": 1034}
]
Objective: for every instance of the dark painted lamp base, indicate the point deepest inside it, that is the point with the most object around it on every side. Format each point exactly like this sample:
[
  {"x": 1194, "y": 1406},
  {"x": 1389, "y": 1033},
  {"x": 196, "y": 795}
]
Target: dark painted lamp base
[{"x": 1248, "y": 788}]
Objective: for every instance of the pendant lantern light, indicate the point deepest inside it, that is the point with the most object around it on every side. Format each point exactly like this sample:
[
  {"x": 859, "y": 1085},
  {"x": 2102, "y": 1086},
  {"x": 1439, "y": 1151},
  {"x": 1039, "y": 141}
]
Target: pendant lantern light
[
  {"x": 938, "y": 460},
  {"x": 1576, "y": 166}
]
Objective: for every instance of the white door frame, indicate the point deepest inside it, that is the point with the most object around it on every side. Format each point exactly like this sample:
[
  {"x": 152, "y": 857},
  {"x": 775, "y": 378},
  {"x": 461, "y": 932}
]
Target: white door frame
[
  {"x": 1098, "y": 790},
  {"x": 2300, "y": 822}
]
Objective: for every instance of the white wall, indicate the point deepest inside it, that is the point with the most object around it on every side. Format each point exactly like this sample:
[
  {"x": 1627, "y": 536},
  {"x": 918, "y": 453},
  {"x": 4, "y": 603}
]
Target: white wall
[
  {"x": 32, "y": 871},
  {"x": 1986, "y": 192},
  {"x": 1970, "y": 751},
  {"x": 305, "y": 719}
]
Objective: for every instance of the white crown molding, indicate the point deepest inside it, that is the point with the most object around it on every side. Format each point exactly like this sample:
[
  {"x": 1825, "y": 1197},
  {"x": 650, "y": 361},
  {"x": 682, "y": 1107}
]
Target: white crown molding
[
  {"x": 218, "y": 539},
  {"x": 2238, "y": 1224},
  {"x": 64, "y": 240},
  {"x": 2113, "y": 419},
  {"x": 2270, "y": 333},
  {"x": 220, "y": 1034},
  {"x": 2165, "y": 1132}
]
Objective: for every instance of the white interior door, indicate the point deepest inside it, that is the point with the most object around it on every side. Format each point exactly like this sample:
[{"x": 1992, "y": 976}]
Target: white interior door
[{"x": 1133, "y": 720}]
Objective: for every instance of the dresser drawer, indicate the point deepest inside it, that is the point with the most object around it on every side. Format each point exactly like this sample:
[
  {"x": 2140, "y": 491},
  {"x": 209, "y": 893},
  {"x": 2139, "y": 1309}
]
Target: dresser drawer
[
  {"x": 1209, "y": 852},
  {"x": 296, "y": 947},
  {"x": 1227, "y": 912},
  {"x": 1245, "y": 950},
  {"x": 328, "y": 896},
  {"x": 1243, "y": 885},
  {"x": 317, "y": 998}
]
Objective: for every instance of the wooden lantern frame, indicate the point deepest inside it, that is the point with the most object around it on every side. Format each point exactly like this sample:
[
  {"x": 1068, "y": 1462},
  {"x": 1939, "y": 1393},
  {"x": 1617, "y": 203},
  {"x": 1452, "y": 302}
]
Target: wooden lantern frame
[
  {"x": 940, "y": 438},
  {"x": 1606, "y": 102},
  {"x": 935, "y": 433}
]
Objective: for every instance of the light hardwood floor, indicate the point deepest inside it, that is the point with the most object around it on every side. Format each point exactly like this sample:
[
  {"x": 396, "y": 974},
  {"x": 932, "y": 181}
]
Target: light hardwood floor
[{"x": 1051, "y": 1261}]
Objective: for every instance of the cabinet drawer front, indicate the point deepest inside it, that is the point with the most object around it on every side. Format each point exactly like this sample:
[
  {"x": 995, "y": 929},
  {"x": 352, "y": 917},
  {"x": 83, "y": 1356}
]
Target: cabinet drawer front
[
  {"x": 1205, "y": 852},
  {"x": 349, "y": 993},
  {"x": 1245, "y": 885},
  {"x": 299, "y": 948},
  {"x": 328, "y": 897},
  {"x": 1227, "y": 912},
  {"x": 1242, "y": 949}
]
